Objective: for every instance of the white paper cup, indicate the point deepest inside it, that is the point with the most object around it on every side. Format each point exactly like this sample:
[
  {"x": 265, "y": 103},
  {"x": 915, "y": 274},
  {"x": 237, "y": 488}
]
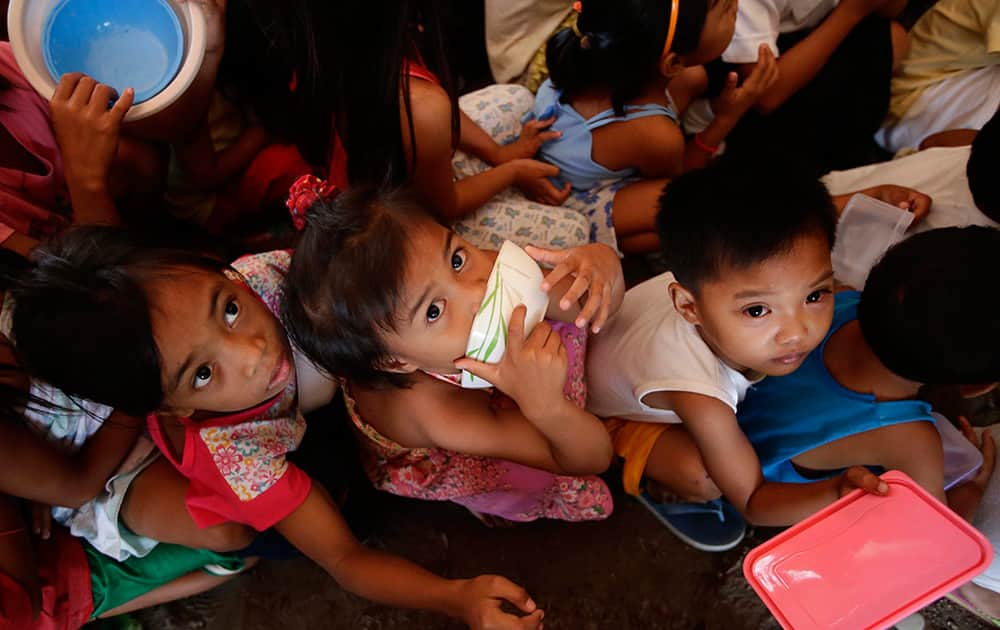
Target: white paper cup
[
  {"x": 866, "y": 230},
  {"x": 516, "y": 279}
]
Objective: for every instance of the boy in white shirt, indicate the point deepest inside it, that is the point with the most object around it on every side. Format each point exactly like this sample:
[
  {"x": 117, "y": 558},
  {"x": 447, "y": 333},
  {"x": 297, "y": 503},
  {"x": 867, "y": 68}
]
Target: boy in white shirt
[{"x": 751, "y": 294}]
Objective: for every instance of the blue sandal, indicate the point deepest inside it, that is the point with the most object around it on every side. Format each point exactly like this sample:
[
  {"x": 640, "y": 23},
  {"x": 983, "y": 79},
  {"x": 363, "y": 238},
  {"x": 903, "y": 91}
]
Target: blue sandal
[{"x": 711, "y": 526}]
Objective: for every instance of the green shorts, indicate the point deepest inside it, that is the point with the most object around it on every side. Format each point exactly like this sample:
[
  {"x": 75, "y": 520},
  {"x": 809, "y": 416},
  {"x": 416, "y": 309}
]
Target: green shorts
[{"x": 115, "y": 583}]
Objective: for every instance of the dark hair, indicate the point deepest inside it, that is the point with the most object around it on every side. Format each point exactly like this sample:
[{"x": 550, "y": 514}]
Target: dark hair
[
  {"x": 734, "y": 214},
  {"x": 929, "y": 308},
  {"x": 982, "y": 168},
  {"x": 347, "y": 58},
  {"x": 82, "y": 320},
  {"x": 343, "y": 288},
  {"x": 620, "y": 45}
]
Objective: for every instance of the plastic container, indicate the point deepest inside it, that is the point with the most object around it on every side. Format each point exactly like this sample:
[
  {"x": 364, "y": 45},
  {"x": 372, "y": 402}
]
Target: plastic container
[
  {"x": 48, "y": 37},
  {"x": 866, "y": 561},
  {"x": 516, "y": 279},
  {"x": 866, "y": 229},
  {"x": 123, "y": 44}
]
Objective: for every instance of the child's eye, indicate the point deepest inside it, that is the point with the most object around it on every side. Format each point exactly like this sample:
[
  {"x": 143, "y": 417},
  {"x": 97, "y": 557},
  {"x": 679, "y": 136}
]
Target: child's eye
[
  {"x": 755, "y": 311},
  {"x": 434, "y": 311},
  {"x": 458, "y": 259},
  {"x": 232, "y": 312},
  {"x": 202, "y": 377},
  {"x": 817, "y": 296}
]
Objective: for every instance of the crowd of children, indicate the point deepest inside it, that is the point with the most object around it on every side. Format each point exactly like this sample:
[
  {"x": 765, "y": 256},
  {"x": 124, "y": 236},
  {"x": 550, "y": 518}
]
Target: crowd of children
[{"x": 151, "y": 391}]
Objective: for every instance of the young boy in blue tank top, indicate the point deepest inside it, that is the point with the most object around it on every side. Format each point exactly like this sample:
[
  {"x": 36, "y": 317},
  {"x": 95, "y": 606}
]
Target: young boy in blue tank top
[
  {"x": 926, "y": 315},
  {"x": 749, "y": 295}
]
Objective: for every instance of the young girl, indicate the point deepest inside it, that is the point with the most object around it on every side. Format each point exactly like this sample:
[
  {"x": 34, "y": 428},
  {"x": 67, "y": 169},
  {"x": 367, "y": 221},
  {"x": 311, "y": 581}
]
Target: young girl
[
  {"x": 383, "y": 296},
  {"x": 609, "y": 80},
  {"x": 187, "y": 340}
]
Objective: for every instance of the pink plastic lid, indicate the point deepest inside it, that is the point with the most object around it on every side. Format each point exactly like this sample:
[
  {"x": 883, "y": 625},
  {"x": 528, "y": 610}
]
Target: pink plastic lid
[{"x": 866, "y": 561}]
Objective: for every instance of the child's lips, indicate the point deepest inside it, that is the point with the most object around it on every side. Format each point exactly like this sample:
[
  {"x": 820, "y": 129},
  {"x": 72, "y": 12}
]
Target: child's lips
[
  {"x": 281, "y": 372},
  {"x": 791, "y": 359}
]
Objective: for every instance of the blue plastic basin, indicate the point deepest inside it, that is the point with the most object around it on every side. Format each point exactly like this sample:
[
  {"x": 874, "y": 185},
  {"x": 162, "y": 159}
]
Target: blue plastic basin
[{"x": 123, "y": 43}]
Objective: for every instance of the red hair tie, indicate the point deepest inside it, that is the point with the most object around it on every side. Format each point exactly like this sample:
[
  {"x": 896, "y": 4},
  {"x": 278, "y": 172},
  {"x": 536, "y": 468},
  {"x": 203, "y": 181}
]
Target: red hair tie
[{"x": 305, "y": 192}]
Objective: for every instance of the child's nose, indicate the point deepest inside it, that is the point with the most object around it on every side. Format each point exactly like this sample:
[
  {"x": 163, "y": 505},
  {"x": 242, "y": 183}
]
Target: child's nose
[
  {"x": 251, "y": 350},
  {"x": 792, "y": 330}
]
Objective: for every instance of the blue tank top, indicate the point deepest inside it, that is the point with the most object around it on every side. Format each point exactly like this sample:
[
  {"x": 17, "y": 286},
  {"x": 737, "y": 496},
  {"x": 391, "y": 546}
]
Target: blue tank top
[
  {"x": 572, "y": 151},
  {"x": 785, "y": 416}
]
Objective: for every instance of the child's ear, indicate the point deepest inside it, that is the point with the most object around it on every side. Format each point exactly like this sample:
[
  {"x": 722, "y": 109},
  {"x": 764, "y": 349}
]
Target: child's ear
[
  {"x": 684, "y": 302},
  {"x": 397, "y": 365},
  {"x": 972, "y": 391},
  {"x": 671, "y": 65}
]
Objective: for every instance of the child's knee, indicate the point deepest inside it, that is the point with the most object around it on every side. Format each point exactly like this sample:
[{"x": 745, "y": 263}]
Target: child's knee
[{"x": 228, "y": 537}]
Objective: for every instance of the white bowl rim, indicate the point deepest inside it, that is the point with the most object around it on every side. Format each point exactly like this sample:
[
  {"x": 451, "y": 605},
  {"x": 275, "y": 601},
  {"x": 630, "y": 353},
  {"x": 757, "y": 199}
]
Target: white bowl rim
[{"x": 185, "y": 76}]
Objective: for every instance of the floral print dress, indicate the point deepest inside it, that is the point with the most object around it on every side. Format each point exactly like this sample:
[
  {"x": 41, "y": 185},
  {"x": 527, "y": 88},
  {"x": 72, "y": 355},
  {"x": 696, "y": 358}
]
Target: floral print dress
[{"x": 485, "y": 484}]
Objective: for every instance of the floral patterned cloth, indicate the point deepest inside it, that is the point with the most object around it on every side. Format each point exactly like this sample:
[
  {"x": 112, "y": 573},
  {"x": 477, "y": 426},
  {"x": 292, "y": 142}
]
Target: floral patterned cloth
[
  {"x": 486, "y": 484},
  {"x": 236, "y": 463},
  {"x": 510, "y": 215}
]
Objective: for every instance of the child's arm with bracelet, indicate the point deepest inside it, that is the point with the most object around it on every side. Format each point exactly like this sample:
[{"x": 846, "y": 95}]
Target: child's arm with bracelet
[
  {"x": 317, "y": 529},
  {"x": 736, "y": 99},
  {"x": 802, "y": 62},
  {"x": 733, "y": 465},
  {"x": 546, "y": 431}
]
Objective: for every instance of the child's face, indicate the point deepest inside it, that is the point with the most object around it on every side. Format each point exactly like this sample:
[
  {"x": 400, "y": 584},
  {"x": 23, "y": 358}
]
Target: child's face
[
  {"x": 769, "y": 317},
  {"x": 444, "y": 285},
  {"x": 221, "y": 350},
  {"x": 720, "y": 24}
]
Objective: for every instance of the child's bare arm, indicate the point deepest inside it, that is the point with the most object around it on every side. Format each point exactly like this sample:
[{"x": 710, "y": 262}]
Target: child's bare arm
[
  {"x": 431, "y": 167},
  {"x": 17, "y": 558},
  {"x": 900, "y": 196},
  {"x": 965, "y": 497},
  {"x": 209, "y": 168},
  {"x": 733, "y": 465},
  {"x": 474, "y": 139},
  {"x": 798, "y": 65},
  {"x": 317, "y": 530}
]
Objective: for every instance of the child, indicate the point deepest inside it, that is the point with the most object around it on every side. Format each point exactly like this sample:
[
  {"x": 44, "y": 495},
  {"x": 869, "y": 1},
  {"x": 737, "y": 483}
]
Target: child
[
  {"x": 383, "y": 296},
  {"x": 950, "y": 76},
  {"x": 835, "y": 60},
  {"x": 394, "y": 119},
  {"x": 750, "y": 295},
  {"x": 180, "y": 337},
  {"x": 922, "y": 318},
  {"x": 618, "y": 88}
]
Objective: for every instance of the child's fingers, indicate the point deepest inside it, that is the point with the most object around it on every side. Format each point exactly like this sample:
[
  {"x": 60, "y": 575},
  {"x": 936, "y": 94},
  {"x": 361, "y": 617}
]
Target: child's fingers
[
  {"x": 859, "y": 477},
  {"x": 598, "y": 322},
  {"x": 67, "y": 84},
  {"x": 515, "y": 328},
  {"x": 123, "y": 104},
  {"x": 547, "y": 256},
  {"x": 556, "y": 276},
  {"x": 543, "y": 123},
  {"x": 99, "y": 98},
  {"x": 563, "y": 194},
  {"x": 502, "y": 588},
  {"x": 592, "y": 306},
  {"x": 81, "y": 94},
  {"x": 731, "y": 79},
  {"x": 989, "y": 451},
  {"x": 485, "y": 371},
  {"x": 539, "y": 336},
  {"x": 545, "y": 136},
  {"x": 966, "y": 428},
  {"x": 576, "y": 290}
]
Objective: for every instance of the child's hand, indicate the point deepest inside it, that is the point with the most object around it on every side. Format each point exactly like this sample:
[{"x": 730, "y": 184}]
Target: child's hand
[
  {"x": 532, "y": 177},
  {"x": 860, "y": 477},
  {"x": 533, "y": 135},
  {"x": 736, "y": 99},
  {"x": 987, "y": 447},
  {"x": 482, "y": 598},
  {"x": 596, "y": 270},
  {"x": 215, "y": 22},
  {"x": 906, "y": 198},
  {"x": 41, "y": 520},
  {"x": 532, "y": 370},
  {"x": 86, "y": 130}
]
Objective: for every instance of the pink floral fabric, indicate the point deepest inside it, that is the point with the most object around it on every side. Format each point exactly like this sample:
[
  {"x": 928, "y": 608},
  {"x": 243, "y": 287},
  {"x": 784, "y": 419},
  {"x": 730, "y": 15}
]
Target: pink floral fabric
[{"x": 485, "y": 484}]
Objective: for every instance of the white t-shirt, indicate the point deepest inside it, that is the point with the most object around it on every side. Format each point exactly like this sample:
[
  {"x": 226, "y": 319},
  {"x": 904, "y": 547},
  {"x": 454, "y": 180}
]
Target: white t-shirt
[
  {"x": 938, "y": 172},
  {"x": 648, "y": 347},
  {"x": 761, "y": 21}
]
